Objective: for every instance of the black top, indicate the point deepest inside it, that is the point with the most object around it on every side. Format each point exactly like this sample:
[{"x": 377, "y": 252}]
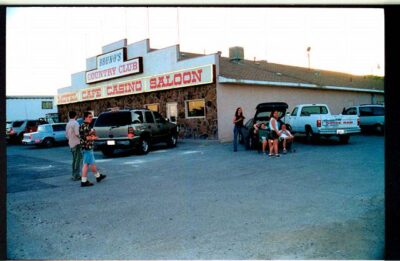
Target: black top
[{"x": 240, "y": 122}]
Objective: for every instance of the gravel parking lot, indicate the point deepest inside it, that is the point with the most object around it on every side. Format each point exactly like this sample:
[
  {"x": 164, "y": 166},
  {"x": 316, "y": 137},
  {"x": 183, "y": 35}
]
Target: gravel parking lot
[{"x": 200, "y": 200}]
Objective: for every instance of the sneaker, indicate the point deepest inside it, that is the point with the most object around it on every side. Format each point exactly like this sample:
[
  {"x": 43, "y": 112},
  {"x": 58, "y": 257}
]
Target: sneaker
[
  {"x": 277, "y": 155},
  {"x": 270, "y": 155},
  {"x": 86, "y": 184},
  {"x": 284, "y": 151},
  {"x": 101, "y": 177}
]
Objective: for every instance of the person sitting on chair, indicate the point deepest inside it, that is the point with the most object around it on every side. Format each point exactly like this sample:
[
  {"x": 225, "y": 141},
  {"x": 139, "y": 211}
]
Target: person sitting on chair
[
  {"x": 263, "y": 136},
  {"x": 286, "y": 136}
]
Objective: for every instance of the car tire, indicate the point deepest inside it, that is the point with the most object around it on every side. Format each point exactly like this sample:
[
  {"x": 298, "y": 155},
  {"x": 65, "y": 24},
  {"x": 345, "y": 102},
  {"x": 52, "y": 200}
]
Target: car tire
[
  {"x": 344, "y": 139},
  {"x": 143, "y": 146},
  {"x": 48, "y": 142},
  {"x": 172, "y": 140},
  {"x": 108, "y": 152},
  {"x": 379, "y": 129},
  {"x": 311, "y": 137},
  {"x": 20, "y": 137}
]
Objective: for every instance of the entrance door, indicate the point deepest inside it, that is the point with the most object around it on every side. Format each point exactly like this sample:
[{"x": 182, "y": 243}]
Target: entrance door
[{"x": 172, "y": 112}]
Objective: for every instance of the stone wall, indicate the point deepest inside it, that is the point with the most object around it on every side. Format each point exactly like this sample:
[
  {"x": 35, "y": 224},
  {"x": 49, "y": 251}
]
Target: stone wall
[{"x": 205, "y": 128}]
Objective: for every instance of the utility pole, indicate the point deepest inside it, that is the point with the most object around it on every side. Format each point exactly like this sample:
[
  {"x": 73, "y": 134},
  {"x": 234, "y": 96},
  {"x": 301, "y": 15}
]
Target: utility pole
[{"x": 308, "y": 55}]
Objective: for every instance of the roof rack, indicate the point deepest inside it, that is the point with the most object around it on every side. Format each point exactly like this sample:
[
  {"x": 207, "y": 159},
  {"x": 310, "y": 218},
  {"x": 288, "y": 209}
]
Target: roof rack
[{"x": 124, "y": 108}]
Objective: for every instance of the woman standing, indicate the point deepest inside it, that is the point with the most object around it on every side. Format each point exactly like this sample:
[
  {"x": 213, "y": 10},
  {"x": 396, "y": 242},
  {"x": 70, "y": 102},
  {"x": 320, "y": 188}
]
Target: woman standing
[
  {"x": 238, "y": 122},
  {"x": 274, "y": 134}
]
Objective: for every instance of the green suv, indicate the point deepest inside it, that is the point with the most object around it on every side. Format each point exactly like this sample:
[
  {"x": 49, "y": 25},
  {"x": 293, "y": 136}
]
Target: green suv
[{"x": 133, "y": 129}]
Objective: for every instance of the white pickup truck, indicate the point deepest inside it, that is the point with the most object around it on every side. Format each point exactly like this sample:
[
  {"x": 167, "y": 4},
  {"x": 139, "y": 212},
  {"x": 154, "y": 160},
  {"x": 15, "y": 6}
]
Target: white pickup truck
[{"x": 315, "y": 120}]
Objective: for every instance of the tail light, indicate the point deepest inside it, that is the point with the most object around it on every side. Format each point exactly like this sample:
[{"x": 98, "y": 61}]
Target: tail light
[
  {"x": 318, "y": 123},
  {"x": 131, "y": 133},
  {"x": 358, "y": 121},
  {"x": 11, "y": 131},
  {"x": 30, "y": 136}
]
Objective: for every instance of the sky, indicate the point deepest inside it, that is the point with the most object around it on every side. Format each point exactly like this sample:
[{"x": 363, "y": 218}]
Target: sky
[{"x": 45, "y": 45}]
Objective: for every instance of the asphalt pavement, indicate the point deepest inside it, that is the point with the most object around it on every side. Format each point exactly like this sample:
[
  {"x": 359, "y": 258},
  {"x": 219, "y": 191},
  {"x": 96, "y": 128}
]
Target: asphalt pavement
[{"x": 200, "y": 200}]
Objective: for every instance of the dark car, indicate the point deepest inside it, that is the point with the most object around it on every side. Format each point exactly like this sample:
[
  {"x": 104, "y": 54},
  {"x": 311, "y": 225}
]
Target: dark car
[
  {"x": 262, "y": 115},
  {"x": 133, "y": 129},
  {"x": 17, "y": 129}
]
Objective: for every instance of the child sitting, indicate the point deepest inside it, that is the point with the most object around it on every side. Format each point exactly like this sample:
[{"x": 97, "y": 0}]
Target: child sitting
[{"x": 286, "y": 136}]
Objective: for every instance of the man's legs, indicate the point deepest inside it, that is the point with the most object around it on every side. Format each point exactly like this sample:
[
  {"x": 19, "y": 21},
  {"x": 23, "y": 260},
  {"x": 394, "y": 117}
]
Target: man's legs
[{"x": 76, "y": 162}]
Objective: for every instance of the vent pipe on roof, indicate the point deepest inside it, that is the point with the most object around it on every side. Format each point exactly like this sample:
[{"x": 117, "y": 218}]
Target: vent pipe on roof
[{"x": 236, "y": 54}]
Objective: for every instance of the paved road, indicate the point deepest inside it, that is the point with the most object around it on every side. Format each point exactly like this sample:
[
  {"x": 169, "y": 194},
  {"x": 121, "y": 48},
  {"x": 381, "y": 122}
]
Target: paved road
[{"x": 200, "y": 201}]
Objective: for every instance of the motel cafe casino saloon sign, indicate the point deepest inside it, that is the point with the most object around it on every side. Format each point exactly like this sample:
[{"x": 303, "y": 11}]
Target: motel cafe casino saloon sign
[{"x": 172, "y": 80}]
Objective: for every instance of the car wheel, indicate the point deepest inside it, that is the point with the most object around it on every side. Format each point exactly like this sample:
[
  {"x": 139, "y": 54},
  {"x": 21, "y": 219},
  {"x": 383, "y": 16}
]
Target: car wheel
[
  {"x": 108, "y": 152},
  {"x": 172, "y": 140},
  {"x": 344, "y": 139},
  {"x": 311, "y": 137},
  {"x": 379, "y": 129},
  {"x": 20, "y": 137},
  {"x": 48, "y": 142},
  {"x": 143, "y": 146}
]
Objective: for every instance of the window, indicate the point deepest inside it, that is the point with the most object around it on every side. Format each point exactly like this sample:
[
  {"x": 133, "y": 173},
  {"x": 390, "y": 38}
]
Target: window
[
  {"x": 309, "y": 110},
  {"x": 195, "y": 108},
  {"x": 137, "y": 117},
  {"x": 47, "y": 105},
  {"x": 365, "y": 111},
  {"x": 159, "y": 118},
  {"x": 149, "y": 117},
  {"x": 120, "y": 118},
  {"x": 31, "y": 124},
  {"x": 152, "y": 107},
  {"x": 17, "y": 124},
  {"x": 350, "y": 111},
  {"x": 59, "y": 127},
  {"x": 294, "y": 112},
  {"x": 44, "y": 128},
  {"x": 378, "y": 111}
]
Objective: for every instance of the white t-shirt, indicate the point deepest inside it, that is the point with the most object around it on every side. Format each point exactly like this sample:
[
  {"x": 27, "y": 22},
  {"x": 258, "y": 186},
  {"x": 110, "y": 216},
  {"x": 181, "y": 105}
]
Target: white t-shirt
[{"x": 285, "y": 134}]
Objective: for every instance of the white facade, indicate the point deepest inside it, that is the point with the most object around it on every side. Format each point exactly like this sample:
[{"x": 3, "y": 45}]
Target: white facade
[{"x": 29, "y": 107}]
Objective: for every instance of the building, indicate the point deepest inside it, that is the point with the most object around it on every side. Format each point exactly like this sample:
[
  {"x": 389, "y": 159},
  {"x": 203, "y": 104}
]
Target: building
[
  {"x": 29, "y": 107},
  {"x": 201, "y": 92}
]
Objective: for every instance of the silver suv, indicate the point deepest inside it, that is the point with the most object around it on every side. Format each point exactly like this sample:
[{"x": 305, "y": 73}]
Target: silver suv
[
  {"x": 372, "y": 116},
  {"x": 132, "y": 129}
]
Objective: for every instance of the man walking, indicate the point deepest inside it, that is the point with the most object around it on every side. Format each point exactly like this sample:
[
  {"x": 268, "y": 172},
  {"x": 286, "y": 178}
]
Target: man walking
[
  {"x": 87, "y": 137},
  {"x": 72, "y": 133}
]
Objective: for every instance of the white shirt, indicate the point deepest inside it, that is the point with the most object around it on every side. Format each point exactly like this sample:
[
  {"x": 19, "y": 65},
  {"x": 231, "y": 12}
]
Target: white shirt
[{"x": 72, "y": 133}]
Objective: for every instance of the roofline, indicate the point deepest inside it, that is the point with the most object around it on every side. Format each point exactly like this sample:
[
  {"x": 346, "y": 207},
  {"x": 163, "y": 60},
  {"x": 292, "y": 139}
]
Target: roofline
[
  {"x": 222, "y": 79},
  {"x": 29, "y": 97}
]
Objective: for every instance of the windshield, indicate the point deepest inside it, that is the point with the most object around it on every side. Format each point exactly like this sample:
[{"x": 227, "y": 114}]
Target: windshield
[
  {"x": 109, "y": 119},
  {"x": 17, "y": 124}
]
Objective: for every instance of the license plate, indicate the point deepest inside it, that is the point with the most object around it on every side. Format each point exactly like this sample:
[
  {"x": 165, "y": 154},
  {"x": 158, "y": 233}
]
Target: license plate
[
  {"x": 111, "y": 142},
  {"x": 340, "y": 131}
]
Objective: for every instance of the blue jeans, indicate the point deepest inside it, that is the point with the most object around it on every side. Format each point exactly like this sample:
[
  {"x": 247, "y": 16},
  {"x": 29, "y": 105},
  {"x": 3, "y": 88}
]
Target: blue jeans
[{"x": 236, "y": 131}]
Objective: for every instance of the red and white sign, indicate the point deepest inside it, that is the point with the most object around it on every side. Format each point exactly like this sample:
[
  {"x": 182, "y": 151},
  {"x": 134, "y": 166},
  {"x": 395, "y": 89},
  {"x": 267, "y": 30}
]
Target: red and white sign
[
  {"x": 112, "y": 65},
  {"x": 173, "y": 80}
]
